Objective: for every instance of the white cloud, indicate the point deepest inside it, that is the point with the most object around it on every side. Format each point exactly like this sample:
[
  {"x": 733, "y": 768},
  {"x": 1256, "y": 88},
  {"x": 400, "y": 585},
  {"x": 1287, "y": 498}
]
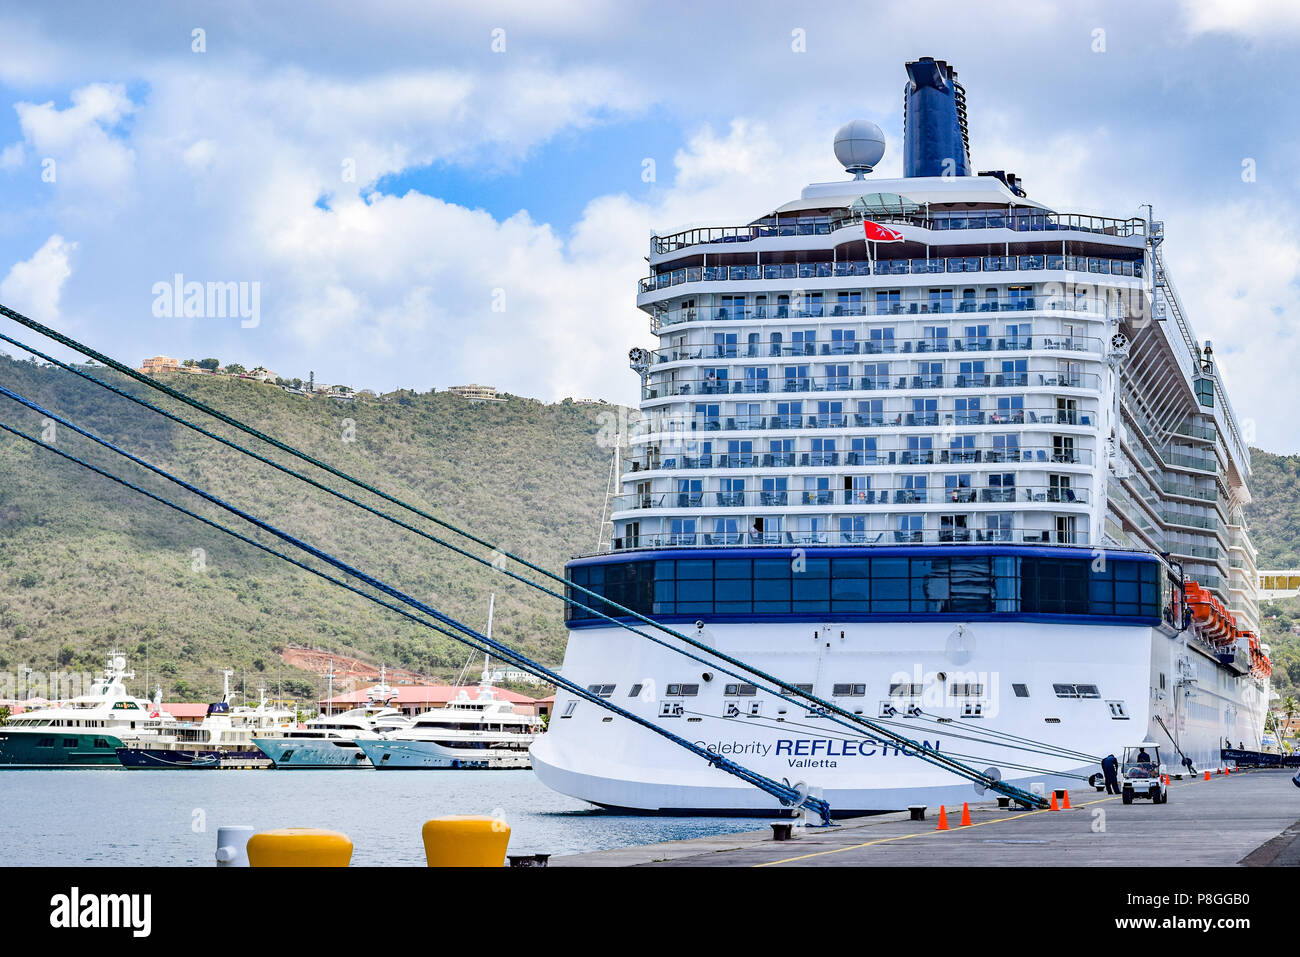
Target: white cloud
[
  {"x": 215, "y": 168},
  {"x": 35, "y": 285},
  {"x": 1255, "y": 19},
  {"x": 79, "y": 138},
  {"x": 11, "y": 157}
]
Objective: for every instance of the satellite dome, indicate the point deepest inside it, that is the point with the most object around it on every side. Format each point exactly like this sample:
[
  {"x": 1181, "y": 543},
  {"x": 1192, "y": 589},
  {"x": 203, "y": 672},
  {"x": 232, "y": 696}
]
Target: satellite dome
[{"x": 859, "y": 146}]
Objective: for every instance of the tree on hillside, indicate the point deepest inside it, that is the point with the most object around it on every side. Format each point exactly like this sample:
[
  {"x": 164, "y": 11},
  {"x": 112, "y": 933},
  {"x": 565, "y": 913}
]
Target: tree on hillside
[
  {"x": 235, "y": 369},
  {"x": 212, "y": 365},
  {"x": 190, "y": 363}
]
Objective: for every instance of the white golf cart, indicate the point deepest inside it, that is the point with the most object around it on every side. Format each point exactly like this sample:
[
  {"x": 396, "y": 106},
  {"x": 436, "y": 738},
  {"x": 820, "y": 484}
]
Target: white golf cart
[{"x": 1142, "y": 774}]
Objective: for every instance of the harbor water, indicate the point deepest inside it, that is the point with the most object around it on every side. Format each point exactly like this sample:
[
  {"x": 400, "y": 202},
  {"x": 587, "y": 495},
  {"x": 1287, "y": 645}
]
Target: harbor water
[{"x": 111, "y": 817}]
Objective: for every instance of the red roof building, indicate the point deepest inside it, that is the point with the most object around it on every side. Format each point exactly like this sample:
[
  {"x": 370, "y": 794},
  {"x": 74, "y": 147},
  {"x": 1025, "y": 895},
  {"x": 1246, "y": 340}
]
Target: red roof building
[
  {"x": 188, "y": 712},
  {"x": 415, "y": 699}
]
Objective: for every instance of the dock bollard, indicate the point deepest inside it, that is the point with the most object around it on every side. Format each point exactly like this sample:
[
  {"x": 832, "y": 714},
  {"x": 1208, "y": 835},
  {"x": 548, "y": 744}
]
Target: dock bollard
[
  {"x": 232, "y": 846},
  {"x": 782, "y": 831},
  {"x": 917, "y": 811},
  {"x": 1004, "y": 802},
  {"x": 465, "y": 840},
  {"x": 299, "y": 847}
]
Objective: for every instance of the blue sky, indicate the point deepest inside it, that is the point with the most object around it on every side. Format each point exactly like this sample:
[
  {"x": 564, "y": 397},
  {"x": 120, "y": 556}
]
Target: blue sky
[{"x": 497, "y": 214}]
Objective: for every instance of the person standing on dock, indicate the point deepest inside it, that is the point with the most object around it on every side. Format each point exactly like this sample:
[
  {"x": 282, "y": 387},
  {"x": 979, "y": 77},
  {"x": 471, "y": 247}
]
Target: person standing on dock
[{"x": 1110, "y": 768}]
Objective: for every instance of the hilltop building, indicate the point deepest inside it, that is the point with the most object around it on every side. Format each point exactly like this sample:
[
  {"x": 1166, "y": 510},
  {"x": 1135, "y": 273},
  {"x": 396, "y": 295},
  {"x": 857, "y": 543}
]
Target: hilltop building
[
  {"x": 159, "y": 364},
  {"x": 476, "y": 393}
]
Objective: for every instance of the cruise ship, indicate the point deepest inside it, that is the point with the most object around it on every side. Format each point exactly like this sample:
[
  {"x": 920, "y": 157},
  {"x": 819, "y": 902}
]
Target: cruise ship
[{"x": 936, "y": 452}]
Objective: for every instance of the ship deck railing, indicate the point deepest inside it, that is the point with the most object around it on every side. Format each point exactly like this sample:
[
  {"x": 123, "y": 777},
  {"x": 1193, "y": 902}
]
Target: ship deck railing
[
  {"x": 957, "y": 536},
  {"x": 1044, "y": 455},
  {"x": 813, "y": 306},
  {"x": 851, "y": 346},
  {"x": 831, "y": 269},
  {"x": 706, "y": 386},
  {"x": 1016, "y": 221},
  {"x": 780, "y": 498}
]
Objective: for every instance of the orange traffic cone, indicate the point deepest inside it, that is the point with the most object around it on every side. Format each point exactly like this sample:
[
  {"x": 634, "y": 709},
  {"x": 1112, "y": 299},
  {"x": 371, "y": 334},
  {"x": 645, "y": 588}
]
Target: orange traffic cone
[
  {"x": 1066, "y": 805},
  {"x": 943, "y": 819},
  {"x": 1053, "y": 806},
  {"x": 1227, "y": 770},
  {"x": 965, "y": 814},
  {"x": 1207, "y": 775}
]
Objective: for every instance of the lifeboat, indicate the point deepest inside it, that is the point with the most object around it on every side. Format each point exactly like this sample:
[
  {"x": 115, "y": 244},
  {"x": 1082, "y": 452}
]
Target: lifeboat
[
  {"x": 1212, "y": 621},
  {"x": 1260, "y": 665}
]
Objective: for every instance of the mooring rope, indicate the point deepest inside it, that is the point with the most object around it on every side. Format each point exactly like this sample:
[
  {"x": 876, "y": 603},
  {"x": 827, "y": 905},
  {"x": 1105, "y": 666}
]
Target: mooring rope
[
  {"x": 783, "y": 792},
  {"x": 955, "y": 767}
]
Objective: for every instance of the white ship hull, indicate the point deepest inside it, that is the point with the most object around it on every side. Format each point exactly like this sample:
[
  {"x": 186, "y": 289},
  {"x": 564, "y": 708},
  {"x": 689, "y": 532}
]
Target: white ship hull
[
  {"x": 620, "y": 765},
  {"x": 429, "y": 755},
  {"x": 312, "y": 753}
]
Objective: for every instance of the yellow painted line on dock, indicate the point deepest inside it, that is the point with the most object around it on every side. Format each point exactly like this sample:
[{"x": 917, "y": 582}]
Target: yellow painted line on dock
[{"x": 904, "y": 837}]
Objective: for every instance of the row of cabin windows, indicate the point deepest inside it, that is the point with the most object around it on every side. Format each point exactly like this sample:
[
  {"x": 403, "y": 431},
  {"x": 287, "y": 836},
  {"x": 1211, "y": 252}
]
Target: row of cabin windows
[
  {"x": 958, "y": 689},
  {"x": 972, "y": 706}
]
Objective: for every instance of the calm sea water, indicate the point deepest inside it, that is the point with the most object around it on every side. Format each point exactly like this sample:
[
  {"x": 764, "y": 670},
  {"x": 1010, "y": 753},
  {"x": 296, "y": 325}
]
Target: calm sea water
[{"x": 118, "y": 817}]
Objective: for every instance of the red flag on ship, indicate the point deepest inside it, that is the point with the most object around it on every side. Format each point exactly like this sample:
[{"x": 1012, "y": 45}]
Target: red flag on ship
[{"x": 881, "y": 234}]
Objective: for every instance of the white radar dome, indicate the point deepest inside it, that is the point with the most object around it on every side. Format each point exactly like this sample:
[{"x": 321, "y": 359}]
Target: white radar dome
[{"x": 859, "y": 146}]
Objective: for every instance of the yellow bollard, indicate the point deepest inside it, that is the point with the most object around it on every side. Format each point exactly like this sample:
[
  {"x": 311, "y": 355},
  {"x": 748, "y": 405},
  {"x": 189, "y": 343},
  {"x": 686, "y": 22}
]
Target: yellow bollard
[
  {"x": 465, "y": 840},
  {"x": 299, "y": 847}
]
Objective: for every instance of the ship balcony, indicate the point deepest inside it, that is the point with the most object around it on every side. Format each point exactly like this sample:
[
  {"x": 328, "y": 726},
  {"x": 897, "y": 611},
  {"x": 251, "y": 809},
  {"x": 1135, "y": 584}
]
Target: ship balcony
[
  {"x": 786, "y": 539},
  {"x": 869, "y": 347},
  {"x": 932, "y": 418},
  {"x": 715, "y": 385},
  {"x": 1021, "y": 221},
  {"x": 814, "y": 307},
  {"x": 1201, "y": 493},
  {"x": 852, "y": 498},
  {"x": 1036, "y": 456},
  {"x": 951, "y": 265}
]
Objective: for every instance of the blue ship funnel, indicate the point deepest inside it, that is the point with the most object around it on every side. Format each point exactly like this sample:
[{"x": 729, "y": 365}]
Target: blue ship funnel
[{"x": 934, "y": 121}]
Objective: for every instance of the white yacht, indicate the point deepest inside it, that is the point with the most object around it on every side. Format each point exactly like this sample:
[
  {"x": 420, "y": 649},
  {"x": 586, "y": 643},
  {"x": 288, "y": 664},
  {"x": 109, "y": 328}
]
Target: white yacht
[
  {"x": 331, "y": 740},
  {"x": 224, "y": 739},
  {"x": 483, "y": 732},
  {"x": 939, "y": 453},
  {"x": 87, "y": 730}
]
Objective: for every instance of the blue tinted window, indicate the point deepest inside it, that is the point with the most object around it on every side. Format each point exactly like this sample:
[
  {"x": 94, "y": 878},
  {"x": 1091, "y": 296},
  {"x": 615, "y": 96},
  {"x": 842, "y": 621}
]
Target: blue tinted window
[
  {"x": 772, "y": 568},
  {"x": 953, "y": 585}
]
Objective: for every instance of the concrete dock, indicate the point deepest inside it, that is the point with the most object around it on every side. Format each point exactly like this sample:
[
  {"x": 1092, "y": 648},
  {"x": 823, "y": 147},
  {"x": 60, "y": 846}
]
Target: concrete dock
[{"x": 1249, "y": 818}]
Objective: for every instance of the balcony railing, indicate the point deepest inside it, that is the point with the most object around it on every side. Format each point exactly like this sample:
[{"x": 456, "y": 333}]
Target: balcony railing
[
  {"x": 849, "y": 383},
  {"x": 869, "y": 420},
  {"x": 1016, "y": 220},
  {"x": 890, "y": 267},
  {"x": 1187, "y": 490},
  {"x": 873, "y": 347},
  {"x": 1173, "y": 516},
  {"x": 781, "y": 498},
  {"x": 973, "y": 536},
  {"x": 1046, "y": 456},
  {"x": 1209, "y": 553},
  {"x": 811, "y": 307}
]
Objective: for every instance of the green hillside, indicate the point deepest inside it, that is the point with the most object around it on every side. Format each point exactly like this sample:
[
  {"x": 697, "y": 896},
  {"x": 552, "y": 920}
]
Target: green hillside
[
  {"x": 85, "y": 564},
  {"x": 1274, "y": 521},
  {"x": 1274, "y": 515},
  {"x": 1280, "y": 630}
]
